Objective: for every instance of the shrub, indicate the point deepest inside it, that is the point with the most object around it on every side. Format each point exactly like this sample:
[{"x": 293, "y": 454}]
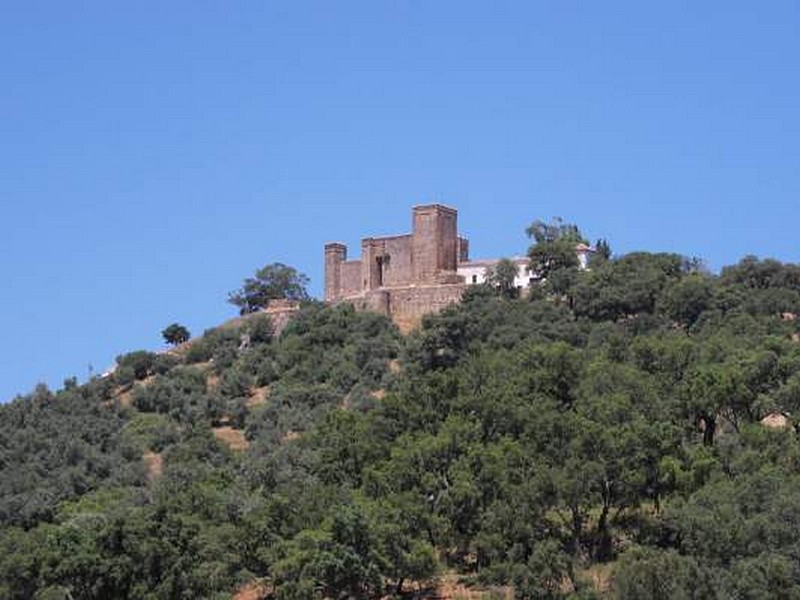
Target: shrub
[{"x": 140, "y": 363}]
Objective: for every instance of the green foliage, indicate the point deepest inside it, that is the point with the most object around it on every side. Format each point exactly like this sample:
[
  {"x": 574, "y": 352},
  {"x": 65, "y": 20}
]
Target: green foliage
[
  {"x": 688, "y": 299},
  {"x": 55, "y": 447},
  {"x": 134, "y": 366},
  {"x": 175, "y": 334},
  {"x": 259, "y": 329},
  {"x": 625, "y": 287},
  {"x": 602, "y": 251},
  {"x": 554, "y": 246},
  {"x": 501, "y": 277},
  {"x": 181, "y": 394},
  {"x": 520, "y": 442},
  {"x": 339, "y": 560},
  {"x": 218, "y": 342},
  {"x": 542, "y": 576},
  {"x": 150, "y": 431},
  {"x": 762, "y": 274},
  {"x": 271, "y": 282},
  {"x": 664, "y": 575}
]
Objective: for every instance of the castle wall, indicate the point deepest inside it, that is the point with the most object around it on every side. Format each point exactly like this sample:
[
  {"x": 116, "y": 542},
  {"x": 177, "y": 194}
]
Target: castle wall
[
  {"x": 371, "y": 270},
  {"x": 408, "y": 276},
  {"x": 349, "y": 278},
  {"x": 408, "y": 305},
  {"x": 435, "y": 240},
  {"x": 405, "y": 276},
  {"x": 335, "y": 255},
  {"x": 397, "y": 270}
]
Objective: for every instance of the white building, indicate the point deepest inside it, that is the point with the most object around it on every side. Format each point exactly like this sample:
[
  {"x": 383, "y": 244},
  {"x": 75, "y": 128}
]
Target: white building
[{"x": 475, "y": 272}]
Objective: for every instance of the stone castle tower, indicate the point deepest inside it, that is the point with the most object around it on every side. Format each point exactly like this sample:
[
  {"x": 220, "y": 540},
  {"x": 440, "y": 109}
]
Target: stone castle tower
[
  {"x": 403, "y": 276},
  {"x": 408, "y": 276}
]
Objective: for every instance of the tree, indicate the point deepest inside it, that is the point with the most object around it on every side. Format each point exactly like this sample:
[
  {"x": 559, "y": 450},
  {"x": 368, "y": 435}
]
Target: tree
[
  {"x": 553, "y": 256},
  {"x": 602, "y": 253},
  {"x": 554, "y": 246},
  {"x": 687, "y": 299},
  {"x": 134, "y": 366},
  {"x": 626, "y": 286},
  {"x": 762, "y": 274},
  {"x": 175, "y": 334},
  {"x": 501, "y": 277},
  {"x": 656, "y": 574},
  {"x": 340, "y": 560},
  {"x": 271, "y": 282}
]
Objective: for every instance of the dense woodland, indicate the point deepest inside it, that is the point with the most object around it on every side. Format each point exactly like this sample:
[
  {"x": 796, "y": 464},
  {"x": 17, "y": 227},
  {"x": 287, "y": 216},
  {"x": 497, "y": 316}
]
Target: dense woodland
[{"x": 600, "y": 437}]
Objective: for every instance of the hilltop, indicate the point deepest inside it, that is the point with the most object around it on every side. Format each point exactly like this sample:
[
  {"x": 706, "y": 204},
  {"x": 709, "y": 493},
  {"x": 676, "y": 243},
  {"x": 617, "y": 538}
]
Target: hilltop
[{"x": 601, "y": 437}]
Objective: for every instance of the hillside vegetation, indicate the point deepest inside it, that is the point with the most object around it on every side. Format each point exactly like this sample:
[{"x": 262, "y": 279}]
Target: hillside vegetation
[{"x": 598, "y": 439}]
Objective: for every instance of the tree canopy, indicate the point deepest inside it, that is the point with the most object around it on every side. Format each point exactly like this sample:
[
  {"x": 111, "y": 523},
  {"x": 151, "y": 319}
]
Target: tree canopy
[
  {"x": 639, "y": 441},
  {"x": 271, "y": 282},
  {"x": 175, "y": 334},
  {"x": 553, "y": 247},
  {"x": 501, "y": 277}
]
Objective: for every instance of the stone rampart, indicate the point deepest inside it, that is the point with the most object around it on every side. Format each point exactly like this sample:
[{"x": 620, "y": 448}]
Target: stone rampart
[{"x": 402, "y": 276}]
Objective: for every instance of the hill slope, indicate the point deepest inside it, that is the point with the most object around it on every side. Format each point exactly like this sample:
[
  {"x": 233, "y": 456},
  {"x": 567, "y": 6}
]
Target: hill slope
[{"x": 604, "y": 443}]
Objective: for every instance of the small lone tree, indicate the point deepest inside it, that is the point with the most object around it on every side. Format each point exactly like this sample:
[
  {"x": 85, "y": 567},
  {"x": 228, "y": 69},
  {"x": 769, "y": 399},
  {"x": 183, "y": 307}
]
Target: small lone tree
[
  {"x": 273, "y": 282},
  {"x": 602, "y": 250},
  {"x": 554, "y": 246},
  {"x": 175, "y": 334},
  {"x": 501, "y": 277}
]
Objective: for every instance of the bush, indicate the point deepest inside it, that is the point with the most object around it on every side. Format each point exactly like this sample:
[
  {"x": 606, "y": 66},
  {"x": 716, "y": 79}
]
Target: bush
[
  {"x": 260, "y": 329},
  {"x": 150, "y": 431},
  {"x": 175, "y": 334},
  {"x": 165, "y": 363},
  {"x": 235, "y": 384},
  {"x": 139, "y": 363},
  {"x": 213, "y": 342},
  {"x": 199, "y": 352},
  {"x": 181, "y": 394}
]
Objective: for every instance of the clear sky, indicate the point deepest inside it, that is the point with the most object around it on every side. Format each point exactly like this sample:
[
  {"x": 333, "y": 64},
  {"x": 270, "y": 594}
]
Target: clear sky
[{"x": 153, "y": 154}]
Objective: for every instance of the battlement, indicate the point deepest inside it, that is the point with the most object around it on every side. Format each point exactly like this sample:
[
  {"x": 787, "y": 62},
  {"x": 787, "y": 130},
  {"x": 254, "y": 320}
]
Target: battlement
[
  {"x": 428, "y": 256},
  {"x": 407, "y": 276}
]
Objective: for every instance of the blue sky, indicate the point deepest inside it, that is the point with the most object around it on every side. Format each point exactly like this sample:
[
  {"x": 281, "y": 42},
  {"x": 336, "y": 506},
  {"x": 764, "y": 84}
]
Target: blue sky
[{"x": 153, "y": 154}]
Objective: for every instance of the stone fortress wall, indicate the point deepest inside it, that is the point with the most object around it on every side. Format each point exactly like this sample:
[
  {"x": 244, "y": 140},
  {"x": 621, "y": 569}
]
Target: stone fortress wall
[
  {"x": 403, "y": 276},
  {"x": 408, "y": 276}
]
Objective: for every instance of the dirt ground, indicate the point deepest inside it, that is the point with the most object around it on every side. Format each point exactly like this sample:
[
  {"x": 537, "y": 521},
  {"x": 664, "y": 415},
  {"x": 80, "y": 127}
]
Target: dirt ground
[
  {"x": 155, "y": 465},
  {"x": 234, "y": 438}
]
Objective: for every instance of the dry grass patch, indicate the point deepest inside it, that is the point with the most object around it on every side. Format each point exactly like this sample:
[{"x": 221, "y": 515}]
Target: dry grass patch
[
  {"x": 599, "y": 576},
  {"x": 451, "y": 588},
  {"x": 258, "y": 396},
  {"x": 124, "y": 399},
  {"x": 155, "y": 465},
  {"x": 290, "y": 436},
  {"x": 233, "y": 438},
  {"x": 775, "y": 421},
  {"x": 255, "y": 590},
  {"x": 212, "y": 382}
]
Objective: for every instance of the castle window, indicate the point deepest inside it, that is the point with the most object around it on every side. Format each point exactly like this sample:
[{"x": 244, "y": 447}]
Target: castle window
[
  {"x": 474, "y": 279},
  {"x": 381, "y": 260}
]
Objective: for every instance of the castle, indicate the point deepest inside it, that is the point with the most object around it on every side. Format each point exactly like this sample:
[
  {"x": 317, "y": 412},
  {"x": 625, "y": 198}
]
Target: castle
[{"x": 408, "y": 276}]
